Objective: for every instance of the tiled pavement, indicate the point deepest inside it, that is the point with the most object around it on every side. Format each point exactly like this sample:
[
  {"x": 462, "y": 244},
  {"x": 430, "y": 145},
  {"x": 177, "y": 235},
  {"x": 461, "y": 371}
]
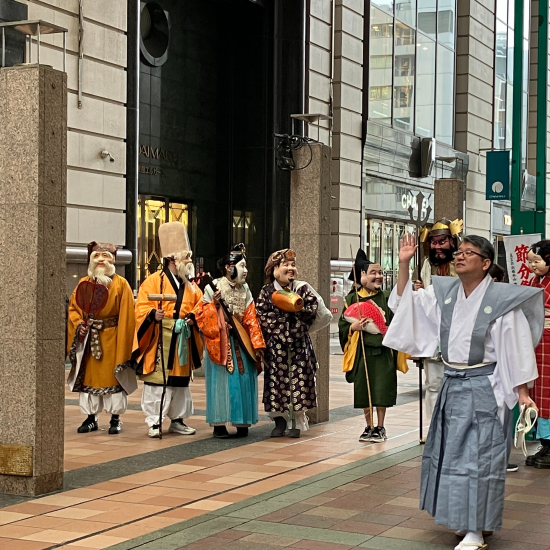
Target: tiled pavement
[
  {"x": 371, "y": 503},
  {"x": 325, "y": 490}
]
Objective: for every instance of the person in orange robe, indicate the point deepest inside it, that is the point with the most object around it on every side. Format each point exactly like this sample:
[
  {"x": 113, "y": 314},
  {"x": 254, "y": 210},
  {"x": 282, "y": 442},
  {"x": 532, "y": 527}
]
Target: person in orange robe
[
  {"x": 100, "y": 364},
  {"x": 231, "y": 376},
  {"x": 181, "y": 343}
]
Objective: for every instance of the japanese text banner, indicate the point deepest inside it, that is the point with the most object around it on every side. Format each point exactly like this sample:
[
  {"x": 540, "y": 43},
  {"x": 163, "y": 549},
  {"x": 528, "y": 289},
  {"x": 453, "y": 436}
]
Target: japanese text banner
[{"x": 517, "y": 248}]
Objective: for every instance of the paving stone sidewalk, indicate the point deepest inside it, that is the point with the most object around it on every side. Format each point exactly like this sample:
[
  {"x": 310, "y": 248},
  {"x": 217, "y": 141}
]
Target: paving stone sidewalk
[{"x": 371, "y": 503}]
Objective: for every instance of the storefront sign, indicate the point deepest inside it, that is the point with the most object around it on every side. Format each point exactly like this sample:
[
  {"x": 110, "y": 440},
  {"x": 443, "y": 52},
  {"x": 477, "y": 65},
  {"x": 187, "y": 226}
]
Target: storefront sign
[
  {"x": 409, "y": 199},
  {"x": 392, "y": 200},
  {"x": 517, "y": 248},
  {"x": 498, "y": 176},
  {"x": 156, "y": 153},
  {"x": 149, "y": 170}
]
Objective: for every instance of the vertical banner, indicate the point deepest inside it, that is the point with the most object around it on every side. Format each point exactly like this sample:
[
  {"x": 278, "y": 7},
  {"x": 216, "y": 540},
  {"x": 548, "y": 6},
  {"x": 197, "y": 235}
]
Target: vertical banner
[
  {"x": 497, "y": 184},
  {"x": 517, "y": 248}
]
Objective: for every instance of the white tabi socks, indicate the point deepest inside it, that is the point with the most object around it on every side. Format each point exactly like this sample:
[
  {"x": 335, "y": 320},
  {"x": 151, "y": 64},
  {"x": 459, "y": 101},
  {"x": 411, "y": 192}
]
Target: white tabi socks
[{"x": 472, "y": 540}]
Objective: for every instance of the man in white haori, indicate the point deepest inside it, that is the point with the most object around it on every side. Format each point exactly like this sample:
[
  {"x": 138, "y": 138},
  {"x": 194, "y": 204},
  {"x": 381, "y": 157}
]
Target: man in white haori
[{"x": 487, "y": 332}]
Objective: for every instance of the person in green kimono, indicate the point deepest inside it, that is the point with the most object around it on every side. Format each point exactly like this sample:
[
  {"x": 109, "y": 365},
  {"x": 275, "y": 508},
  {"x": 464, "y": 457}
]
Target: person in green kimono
[{"x": 381, "y": 361}]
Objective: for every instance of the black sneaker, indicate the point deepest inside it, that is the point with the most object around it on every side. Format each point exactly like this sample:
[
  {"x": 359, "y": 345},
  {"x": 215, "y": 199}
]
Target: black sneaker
[
  {"x": 89, "y": 425},
  {"x": 543, "y": 463},
  {"x": 512, "y": 468},
  {"x": 542, "y": 451},
  {"x": 116, "y": 425},
  {"x": 366, "y": 435},
  {"x": 378, "y": 435}
]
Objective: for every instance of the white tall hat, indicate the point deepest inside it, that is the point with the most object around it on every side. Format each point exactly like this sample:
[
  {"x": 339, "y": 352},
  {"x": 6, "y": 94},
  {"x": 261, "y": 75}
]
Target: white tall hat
[{"x": 173, "y": 239}]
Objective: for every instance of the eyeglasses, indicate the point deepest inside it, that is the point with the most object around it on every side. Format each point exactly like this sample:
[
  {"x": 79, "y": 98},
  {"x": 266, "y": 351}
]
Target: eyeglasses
[{"x": 468, "y": 254}]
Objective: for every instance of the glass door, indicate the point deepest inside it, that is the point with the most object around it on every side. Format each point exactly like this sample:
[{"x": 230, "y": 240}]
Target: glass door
[
  {"x": 152, "y": 213},
  {"x": 383, "y": 247}
]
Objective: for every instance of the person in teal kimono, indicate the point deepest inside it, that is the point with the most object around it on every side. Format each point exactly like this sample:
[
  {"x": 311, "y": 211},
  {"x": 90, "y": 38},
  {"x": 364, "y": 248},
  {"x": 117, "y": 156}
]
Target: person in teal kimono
[{"x": 381, "y": 361}]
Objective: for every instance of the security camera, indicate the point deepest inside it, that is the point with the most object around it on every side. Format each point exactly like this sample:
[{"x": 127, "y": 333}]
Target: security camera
[{"x": 105, "y": 154}]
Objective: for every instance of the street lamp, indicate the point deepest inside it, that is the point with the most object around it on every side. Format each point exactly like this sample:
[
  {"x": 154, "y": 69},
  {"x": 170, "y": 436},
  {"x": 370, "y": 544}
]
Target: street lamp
[{"x": 30, "y": 28}]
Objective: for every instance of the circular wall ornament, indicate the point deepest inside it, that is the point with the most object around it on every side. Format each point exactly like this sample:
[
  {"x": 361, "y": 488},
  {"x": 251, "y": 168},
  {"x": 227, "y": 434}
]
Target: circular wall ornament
[
  {"x": 154, "y": 34},
  {"x": 497, "y": 187}
]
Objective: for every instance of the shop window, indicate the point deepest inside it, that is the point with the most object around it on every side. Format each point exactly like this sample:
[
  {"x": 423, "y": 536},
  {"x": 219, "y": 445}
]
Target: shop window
[
  {"x": 241, "y": 226},
  {"x": 152, "y": 213},
  {"x": 383, "y": 246}
]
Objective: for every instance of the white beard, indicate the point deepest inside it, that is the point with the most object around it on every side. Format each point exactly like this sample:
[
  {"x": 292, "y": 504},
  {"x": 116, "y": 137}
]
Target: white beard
[
  {"x": 186, "y": 270},
  {"x": 102, "y": 275}
]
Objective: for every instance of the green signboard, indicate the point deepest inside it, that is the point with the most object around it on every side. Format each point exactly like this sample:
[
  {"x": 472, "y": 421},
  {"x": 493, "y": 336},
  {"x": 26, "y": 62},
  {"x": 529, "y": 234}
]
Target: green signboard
[{"x": 498, "y": 176}]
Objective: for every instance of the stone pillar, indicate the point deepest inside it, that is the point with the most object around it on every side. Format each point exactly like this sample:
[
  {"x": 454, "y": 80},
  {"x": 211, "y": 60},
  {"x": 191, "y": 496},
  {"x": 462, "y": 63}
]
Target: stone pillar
[
  {"x": 33, "y": 168},
  {"x": 448, "y": 199},
  {"x": 310, "y": 196}
]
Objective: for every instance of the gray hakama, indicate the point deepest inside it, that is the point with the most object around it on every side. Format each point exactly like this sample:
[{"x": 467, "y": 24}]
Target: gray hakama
[{"x": 464, "y": 461}]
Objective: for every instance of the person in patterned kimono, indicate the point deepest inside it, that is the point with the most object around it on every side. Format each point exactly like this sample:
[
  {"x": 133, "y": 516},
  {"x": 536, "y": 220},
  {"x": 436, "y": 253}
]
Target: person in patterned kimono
[
  {"x": 231, "y": 377},
  {"x": 539, "y": 263},
  {"x": 381, "y": 361},
  {"x": 289, "y": 377}
]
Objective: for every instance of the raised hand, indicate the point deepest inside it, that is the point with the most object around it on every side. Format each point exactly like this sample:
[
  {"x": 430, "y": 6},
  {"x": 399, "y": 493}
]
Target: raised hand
[{"x": 407, "y": 248}]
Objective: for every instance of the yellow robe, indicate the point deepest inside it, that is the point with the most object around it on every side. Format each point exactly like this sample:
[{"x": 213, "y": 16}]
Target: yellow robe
[
  {"x": 98, "y": 376},
  {"x": 146, "y": 338}
]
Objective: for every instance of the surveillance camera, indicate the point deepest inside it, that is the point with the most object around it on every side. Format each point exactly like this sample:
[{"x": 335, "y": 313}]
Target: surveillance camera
[{"x": 105, "y": 154}]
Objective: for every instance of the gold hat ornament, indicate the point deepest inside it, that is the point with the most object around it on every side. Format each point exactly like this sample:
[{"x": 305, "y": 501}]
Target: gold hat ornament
[{"x": 442, "y": 227}]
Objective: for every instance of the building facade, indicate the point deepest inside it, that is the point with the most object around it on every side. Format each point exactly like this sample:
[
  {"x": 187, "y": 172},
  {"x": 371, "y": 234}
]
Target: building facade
[{"x": 173, "y": 107}]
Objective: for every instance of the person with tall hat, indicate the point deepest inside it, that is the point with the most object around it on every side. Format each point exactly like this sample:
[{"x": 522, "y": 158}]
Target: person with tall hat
[
  {"x": 100, "y": 345},
  {"x": 234, "y": 347},
  {"x": 487, "y": 333},
  {"x": 167, "y": 344},
  {"x": 372, "y": 319},
  {"x": 289, "y": 310},
  {"x": 443, "y": 239}
]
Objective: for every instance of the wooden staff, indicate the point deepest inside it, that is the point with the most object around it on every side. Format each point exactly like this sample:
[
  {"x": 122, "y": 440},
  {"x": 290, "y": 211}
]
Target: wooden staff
[
  {"x": 161, "y": 359},
  {"x": 362, "y": 341}
]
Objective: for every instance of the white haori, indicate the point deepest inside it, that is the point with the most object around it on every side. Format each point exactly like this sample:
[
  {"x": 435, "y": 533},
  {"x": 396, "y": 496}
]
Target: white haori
[{"x": 415, "y": 330}]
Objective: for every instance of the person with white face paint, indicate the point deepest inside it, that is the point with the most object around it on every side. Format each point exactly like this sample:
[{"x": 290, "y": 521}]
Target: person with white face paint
[
  {"x": 107, "y": 340},
  {"x": 181, "y": 342},
  {"x": 230, "y": 374}
]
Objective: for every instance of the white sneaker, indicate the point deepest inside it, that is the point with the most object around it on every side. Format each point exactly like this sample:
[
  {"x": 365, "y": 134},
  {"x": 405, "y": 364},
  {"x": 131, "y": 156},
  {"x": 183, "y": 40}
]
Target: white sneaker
[
  {"x": 154, "y": 431},
  {"x": 180, "y": 427}
]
